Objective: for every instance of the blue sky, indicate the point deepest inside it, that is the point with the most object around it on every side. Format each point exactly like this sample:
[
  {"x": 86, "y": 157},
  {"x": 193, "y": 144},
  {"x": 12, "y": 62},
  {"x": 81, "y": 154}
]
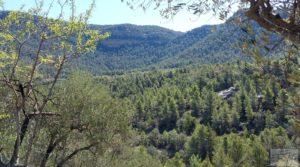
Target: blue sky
[{"x": 116, "y": 12}]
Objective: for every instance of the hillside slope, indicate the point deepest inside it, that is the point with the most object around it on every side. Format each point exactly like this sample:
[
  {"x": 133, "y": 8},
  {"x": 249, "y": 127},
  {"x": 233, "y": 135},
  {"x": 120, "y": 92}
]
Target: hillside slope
[
  {"x": 133, "y": 47},
  {"x": 142, "y": 47}
]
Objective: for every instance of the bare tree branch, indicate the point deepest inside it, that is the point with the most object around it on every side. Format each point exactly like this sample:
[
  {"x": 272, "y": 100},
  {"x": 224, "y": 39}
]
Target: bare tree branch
[{"x": 75, "y": 152}]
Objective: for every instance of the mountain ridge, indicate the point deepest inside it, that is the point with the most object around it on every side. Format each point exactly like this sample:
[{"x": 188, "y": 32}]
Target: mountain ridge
[
  {"x": 130, "y": 49},
  {"x": 142, "y": 47}
]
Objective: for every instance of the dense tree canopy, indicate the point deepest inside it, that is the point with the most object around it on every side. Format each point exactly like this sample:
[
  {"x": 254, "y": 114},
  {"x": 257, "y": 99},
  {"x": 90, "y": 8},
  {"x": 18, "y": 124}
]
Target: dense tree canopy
[
  {"x": 50, "y": 116},
  {"x": 208, "y": 130}
]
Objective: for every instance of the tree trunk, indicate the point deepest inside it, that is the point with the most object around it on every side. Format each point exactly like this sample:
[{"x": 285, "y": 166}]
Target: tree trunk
[
  {"x": 30, "y": 143},
  {"x": 52, "y": 145},
  {"x": 15, "y": 156},
  {"x": 49, "y": 150}
]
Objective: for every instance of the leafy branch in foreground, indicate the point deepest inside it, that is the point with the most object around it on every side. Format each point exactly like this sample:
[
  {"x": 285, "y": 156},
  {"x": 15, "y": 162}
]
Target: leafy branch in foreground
[
  {"x": 31, "y": 42},
  {"x": 282, "y": 17}
]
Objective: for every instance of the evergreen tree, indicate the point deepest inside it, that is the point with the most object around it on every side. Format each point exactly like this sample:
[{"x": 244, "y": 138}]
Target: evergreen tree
[
  {"x": 181, "y": 103},
  {"x": 270, "y": 120},
  {"x": 175, "y": 161},
  {"x": 238, "y": 151},
  {"x": 249, "y": 113},
  {"x": 187, "y": 123},
  {"x": 201, "y": 142},
  {"x": 140, "y": 113},
  {"x": 206, "y": 163},
  {"x": 253, "y": 98},
  {"x": 274, "y": 138},
  {"x": 221, "y": 119},
  {"x": 236, "y": 110},
  {"x": 194, "y": 161},
  {"x": 243, "y": 97},
  {"x": 173, "y": 114},
  {"x": 197, "y": 105},
  {"x": 259, "y": 156},
  {"x": 174, "y": 141},
  {"x": 259, "y": 121},
  {"x": 221, "y": 159},
  {"x": 268, "y": 99},
  {"x": 282, "y": 106},
  {"x": 163, "y": 116},
  {"x": 211, "y": 104}
]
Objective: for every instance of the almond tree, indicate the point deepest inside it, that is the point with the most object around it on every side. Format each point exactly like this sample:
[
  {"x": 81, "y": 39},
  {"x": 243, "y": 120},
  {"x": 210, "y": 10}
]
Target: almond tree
[{"x": 34, "y": 51}]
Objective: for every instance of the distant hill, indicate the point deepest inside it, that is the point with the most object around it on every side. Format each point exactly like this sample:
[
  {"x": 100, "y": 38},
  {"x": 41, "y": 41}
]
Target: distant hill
[
  {"x": 216, "y": 44},
  {"x": 142, "y": 47},
  {"x": 133, "y": 47},
  {"x": 129, "y": 47}
]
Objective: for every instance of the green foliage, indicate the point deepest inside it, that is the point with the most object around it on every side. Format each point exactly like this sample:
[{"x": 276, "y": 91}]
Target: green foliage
[
  {"x": 131, "y": 157},
  {"x": 34, "y": 52},
  {"x": 237, "y": 151},
  {"x": 275, "y": 138},
  {"x": 221, "y": 159},
  {"x": 176, "y": 161},
  {"x": 131, "y": 47},
  {"x": 234, "y": 131},
  {"x": 282, "y": 106},
  {"x": 81, "y": 101},
  {"x": 259, "y": 154},
  {"x": 268, "y": 99},
  {"x": 179, "y": 117},
  {"x": 187, "y": 123},
  {"x": 222, "y": 120},
  {"x": 201, "y": 142},
  {"x": 194, "y": 161}
]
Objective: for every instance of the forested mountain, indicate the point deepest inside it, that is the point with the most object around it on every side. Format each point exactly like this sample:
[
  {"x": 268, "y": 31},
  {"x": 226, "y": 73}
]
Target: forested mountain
[
  {"x": 217, "y": 44},
  {"x": 128, "y": 47},
  {"x": 132, "y": 47},
  {"x": 135, "y": 47},
  {"x": 181, "y": 100}
]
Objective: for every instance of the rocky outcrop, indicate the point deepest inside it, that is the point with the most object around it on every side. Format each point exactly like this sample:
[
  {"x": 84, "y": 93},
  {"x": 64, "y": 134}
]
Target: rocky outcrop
[{"x": 227, "y": 93}]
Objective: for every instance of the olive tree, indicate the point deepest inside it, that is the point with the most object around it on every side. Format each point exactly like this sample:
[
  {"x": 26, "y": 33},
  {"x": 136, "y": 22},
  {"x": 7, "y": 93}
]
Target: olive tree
[{"x": 280, "y": 16}]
